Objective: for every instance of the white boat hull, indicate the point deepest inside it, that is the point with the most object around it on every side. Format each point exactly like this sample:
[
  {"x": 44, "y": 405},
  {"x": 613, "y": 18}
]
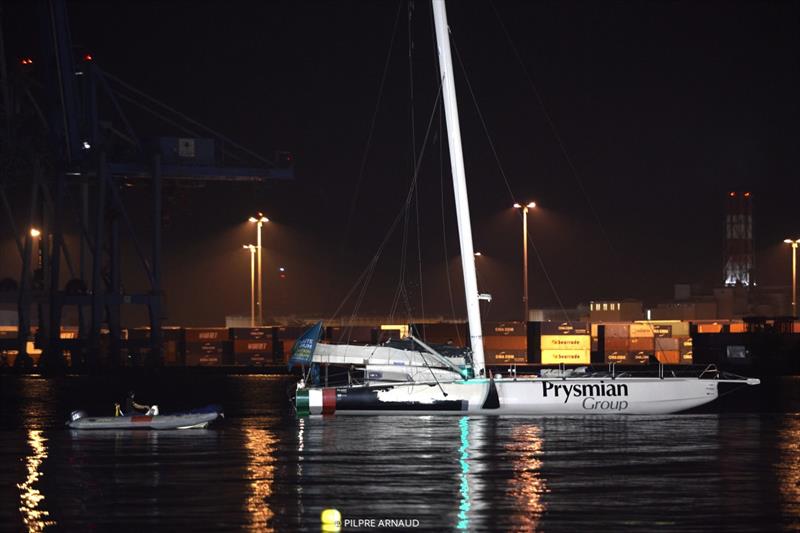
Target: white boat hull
[
  {"x": 524, "y": 396},
  {"x": 589, "y": 396}
]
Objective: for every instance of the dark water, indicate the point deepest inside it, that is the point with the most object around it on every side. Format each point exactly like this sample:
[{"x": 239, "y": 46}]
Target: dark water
[{"x": 735, "y": 467}]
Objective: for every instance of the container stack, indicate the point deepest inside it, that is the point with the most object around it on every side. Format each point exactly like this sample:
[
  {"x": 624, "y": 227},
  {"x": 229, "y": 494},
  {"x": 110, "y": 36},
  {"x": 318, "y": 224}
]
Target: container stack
[
  {"x": 253, "y": 346},
  {"x": 170, "y": 347},
  {"x": 687, "y": 357},
  {"x": 8, "y": 356},
  {"x": 566, "y": 343},
  {"x": 667, "y": 347},
  {"x": 205, "y": 346},
  {"x": 617, "y": 344},
  {"x": 642, "y": 344},
  {"x": 505, "y": 343}
]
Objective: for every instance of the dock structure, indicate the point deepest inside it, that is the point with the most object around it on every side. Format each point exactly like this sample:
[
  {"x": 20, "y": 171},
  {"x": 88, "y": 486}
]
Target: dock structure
[{"x": 70, "y": 151}]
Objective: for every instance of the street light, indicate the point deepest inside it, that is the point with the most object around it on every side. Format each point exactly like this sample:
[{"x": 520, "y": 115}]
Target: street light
[
  {"x": 252, "y": 250},
  {"x": 794, "y": 244},
  {"x": 259, "y": 220},
  {"x": 529, "y": 205},
  {"x": 35, "y": 232}
]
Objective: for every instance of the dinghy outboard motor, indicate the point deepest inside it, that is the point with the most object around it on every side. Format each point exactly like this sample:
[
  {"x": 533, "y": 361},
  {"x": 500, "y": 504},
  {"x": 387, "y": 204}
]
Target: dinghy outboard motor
[{"x": 76, "y": 415}]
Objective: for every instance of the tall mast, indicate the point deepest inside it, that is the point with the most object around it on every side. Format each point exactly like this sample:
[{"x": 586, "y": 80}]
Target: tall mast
[{"x": 459, "y": 185}]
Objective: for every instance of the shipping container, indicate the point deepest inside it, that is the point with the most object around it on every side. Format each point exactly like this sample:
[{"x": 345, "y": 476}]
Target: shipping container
[
  {"x": 493, "y": 342},
  {"x": 195, "y": 348},
  {"x": 200, "y": 359},
  {"x": 641, "y": 343},
  {"x": 249, "y": 346},
  {"x": 568, "y": 342},
  {"x": 685, "y": 348},
  {"x": 709, "y": 328},
  {"x": 680, "y": 329},
  {"x": 252, "y": 333},
  {"x": 668, "y": 357},
  {"x": 510, "y": 329},
  {"x": 662, "y": 330},
  {"x": 617, "y": 344},
  {"x": 502, "y": 357},
  {"x": 170, "y": 352},
  {"x": 566, "y": 328},
  {"x": 570, "y": 357},
  {"x": 660, "y": 327},
  {"x": 616, "y": 356},
  {"x": 193, "y": 335},
  {"x": 617, "y": 330},
  {"x": 253, "y": 358},
  {"x": 641, "y": 356},
  {"x": 641, "y": 331},
  {"x": 664, "y": 343},
  {"x": 737, "y": 327}
]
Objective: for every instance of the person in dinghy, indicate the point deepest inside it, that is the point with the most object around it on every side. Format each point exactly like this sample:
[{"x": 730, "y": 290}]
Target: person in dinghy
[{"x": 132, "y": 408}]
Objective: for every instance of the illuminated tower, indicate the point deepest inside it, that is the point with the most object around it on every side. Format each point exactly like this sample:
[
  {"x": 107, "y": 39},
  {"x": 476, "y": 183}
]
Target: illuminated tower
[{"x": 739, "y": 259}]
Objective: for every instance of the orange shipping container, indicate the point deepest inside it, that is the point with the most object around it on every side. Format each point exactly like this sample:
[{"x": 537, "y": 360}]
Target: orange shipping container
[
  {"x": 505, "y": 342},
  {"x": 250, "y": 346},
  {"x": 617, "y": 344},
  {"x": 206, "y": 334},
  {"x": 737, "y": 327},
  {"x": 709, "y": 328},
  {"x": 668, "y": 357},
  {"x": 666, "y": 344},
  {"x": 641, "y": 343}
]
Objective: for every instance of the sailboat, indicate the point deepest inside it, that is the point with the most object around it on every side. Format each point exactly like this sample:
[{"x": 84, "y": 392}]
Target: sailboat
[{"x": 422, "y": 381}]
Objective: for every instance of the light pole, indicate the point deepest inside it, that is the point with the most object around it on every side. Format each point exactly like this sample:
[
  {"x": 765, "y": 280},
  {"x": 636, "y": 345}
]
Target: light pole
[
  {"x": 529, "y": 205},
  {"x": 252, "y": 250},
  {"x": 794, "y": 244},
  {"x": 259, "y": 220}
]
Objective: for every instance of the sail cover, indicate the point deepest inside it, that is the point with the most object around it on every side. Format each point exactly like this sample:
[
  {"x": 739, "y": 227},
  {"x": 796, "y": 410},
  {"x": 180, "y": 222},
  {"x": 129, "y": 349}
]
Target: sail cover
[{"x": 303, "y": 349}]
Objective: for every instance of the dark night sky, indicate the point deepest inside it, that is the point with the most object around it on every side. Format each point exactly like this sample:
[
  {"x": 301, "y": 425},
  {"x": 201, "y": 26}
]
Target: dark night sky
[{"x": 661, "y": 107}]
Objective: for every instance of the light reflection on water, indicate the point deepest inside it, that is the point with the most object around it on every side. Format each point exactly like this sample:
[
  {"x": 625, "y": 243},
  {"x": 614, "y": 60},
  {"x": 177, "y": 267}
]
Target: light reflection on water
[
  {"x": 260, "y": 444},
  {"x": 463, "y": 508},
  {"x": 263, "y": 470},
  {"x": 789, "y": 465},
  {"x": 529, "y": 487},
  {"x": 31, "y": 498}
]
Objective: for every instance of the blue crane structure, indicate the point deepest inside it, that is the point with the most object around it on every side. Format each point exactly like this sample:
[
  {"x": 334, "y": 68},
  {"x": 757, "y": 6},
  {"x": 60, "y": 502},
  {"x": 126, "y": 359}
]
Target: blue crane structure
[{"x": 76, "y": 163}]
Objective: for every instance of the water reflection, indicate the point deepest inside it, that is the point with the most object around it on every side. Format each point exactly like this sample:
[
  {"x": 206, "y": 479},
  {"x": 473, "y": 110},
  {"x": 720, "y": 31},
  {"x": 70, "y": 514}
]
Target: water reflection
[
  {"x": 261, "y": 447},
  {"x": 464, "y": 505},
  {"x": 34, "y": 515},
  {"x": 789, "y": 467},
  {"x": 525, "y": 449}
]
